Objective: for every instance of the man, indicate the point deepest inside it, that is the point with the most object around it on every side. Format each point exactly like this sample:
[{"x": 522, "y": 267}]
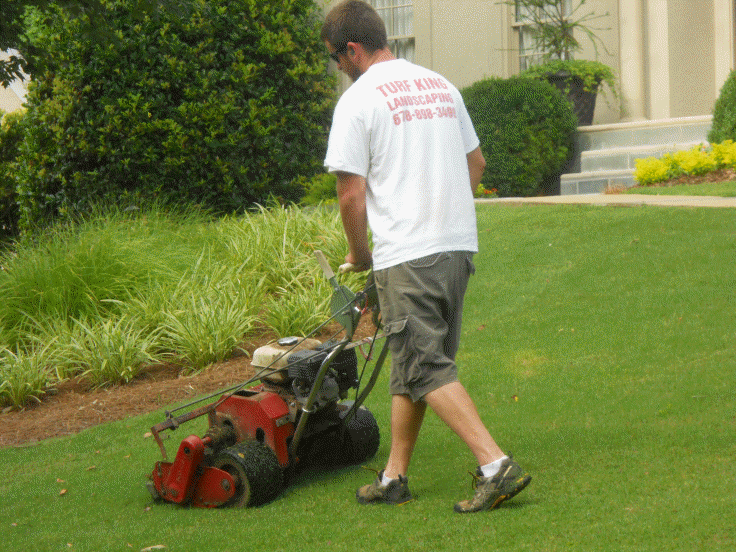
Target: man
[{"x": 407, "y": 161}]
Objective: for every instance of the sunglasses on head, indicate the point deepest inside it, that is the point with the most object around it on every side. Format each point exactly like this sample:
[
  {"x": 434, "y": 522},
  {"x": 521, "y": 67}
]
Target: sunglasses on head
[{"x": 334, "y": 55}]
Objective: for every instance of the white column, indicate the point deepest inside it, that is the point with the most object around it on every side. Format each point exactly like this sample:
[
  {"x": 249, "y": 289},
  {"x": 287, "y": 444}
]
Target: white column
[
  {"x": 631, "y": 74},
  {"x": 659, "y": 59},
  {"x": 423, "y": 35},
  {"x": 723, "y": 35}
]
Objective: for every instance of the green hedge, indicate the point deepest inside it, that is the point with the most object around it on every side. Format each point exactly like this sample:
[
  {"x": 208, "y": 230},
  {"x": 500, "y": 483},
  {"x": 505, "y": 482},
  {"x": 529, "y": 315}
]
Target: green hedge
[
  {"x": 11, "y": 135},
  {"x": 724, "y": 113},
  {"x": 526, "y": 132},
  {"x": 222, "y": 103}
]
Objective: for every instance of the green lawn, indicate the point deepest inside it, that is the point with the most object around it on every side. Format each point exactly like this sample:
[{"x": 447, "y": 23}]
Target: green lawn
[
  {"x": 598, "y": 345},
  {"x": 717, "y": 189}
]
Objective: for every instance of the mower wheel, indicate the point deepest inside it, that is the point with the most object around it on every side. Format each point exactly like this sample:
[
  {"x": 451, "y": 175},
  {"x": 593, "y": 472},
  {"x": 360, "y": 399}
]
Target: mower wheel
[
  {"x": 360, "y": 437},
  {"x": 255, "y": 468}
]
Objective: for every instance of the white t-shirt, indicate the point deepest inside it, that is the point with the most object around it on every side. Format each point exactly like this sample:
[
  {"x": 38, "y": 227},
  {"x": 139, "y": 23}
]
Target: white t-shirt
[{"x": 406, "y": 130}]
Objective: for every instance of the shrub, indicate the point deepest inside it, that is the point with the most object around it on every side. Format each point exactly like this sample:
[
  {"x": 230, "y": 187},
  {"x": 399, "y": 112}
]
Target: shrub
[
  {"x": 11, "y": 136},
  {"x": 480, "y": 192},
  {"x": 696, "y": 161},
  {"x": 320, "y": 189},
  {"x": 650, "y": 171},
  {"x": 693, "y": 162},
  {"x": 724, "y": 154},
  {"x": 724, "y": 112},
  {"x": 525, "y": 129},
  {"x": 222, "y": 103}
]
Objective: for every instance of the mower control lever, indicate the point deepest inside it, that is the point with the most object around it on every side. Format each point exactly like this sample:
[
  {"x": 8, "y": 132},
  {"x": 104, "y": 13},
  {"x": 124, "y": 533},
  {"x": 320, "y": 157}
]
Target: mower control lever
[{"x": 326, "y": 268}]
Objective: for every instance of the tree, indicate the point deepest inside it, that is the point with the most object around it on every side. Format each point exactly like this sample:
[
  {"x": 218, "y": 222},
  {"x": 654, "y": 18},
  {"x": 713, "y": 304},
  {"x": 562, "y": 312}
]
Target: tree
[
  {"x": 218, "y": 102},
  {"x": 12, "y": 27}
]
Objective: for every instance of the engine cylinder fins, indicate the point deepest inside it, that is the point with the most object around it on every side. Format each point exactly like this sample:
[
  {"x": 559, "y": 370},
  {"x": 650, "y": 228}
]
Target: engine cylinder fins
[{"x": 304, "y": 365}]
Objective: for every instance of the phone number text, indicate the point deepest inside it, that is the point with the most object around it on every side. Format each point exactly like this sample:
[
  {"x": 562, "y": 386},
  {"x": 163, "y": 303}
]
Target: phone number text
[{"x": 409, "y": 115}]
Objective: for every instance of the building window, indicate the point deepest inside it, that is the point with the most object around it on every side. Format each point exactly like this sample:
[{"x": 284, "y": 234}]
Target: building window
[
  {"x": 398, "y": 15},
  {"x": 529, "y": 54}
]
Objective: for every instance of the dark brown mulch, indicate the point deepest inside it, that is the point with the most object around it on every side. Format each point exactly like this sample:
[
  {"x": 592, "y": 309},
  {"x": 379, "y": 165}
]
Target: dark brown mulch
[{"x": 74, "y": 407}]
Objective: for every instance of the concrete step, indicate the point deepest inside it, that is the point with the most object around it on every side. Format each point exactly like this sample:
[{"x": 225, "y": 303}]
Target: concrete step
[
  {"x": 595, "y": 182},
  {"x": 605, "y": 155},
  {"x": 644, "y": 133},
  {"x": 625, "y": 158}
]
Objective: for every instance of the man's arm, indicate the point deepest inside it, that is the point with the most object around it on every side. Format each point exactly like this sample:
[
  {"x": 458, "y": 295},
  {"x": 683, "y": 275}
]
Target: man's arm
[
  {"x": 476, "y": 166},
  {"x": 351, "y": 198}
]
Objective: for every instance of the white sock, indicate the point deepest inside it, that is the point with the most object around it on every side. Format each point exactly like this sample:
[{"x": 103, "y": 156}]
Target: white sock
[
  {"x": 386, "y": 480},
  {"x": 489, "y": 470}
]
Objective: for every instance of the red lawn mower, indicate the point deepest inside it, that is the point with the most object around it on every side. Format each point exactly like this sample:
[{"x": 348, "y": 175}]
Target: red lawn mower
[{"x": 296, "y": 415}]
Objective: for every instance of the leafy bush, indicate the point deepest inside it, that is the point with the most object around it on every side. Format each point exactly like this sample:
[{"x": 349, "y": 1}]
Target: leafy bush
[
  {"x": 724, "y": 154},
  {"x": 11, "y": 136},
  {"x": 320, "y": 189},
  {"x": 525, "y": 129},
  {"x": 696, "y": 161},
  {"x": 693, "y": 162},
  {"x": 480, "y": 192},
  {"x": 221, "y": 103},
  {"x": 724, "y": 112},
  {"x": 650, "y": 171},
  {"x": 593, "y": 74}
]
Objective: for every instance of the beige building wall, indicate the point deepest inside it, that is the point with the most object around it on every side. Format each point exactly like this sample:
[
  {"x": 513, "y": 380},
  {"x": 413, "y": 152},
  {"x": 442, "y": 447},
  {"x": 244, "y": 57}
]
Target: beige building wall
[
  {"x": 691, "y": 57},
  {"x": 671, "y": 57},
  {"x": 462, "y": 40},
  {"x": 9, "y": 100},
  {"x": 12, "y": 97},
  {"x": 467, "y": 40}
]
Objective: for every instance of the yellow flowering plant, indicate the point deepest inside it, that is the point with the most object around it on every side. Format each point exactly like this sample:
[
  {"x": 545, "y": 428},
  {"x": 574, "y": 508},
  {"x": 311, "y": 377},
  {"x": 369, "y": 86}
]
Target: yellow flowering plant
[{"x": 696, "y": 161}]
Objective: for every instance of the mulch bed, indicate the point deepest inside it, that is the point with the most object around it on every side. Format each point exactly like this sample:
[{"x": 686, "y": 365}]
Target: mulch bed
[{"x": 72, "y": 406}]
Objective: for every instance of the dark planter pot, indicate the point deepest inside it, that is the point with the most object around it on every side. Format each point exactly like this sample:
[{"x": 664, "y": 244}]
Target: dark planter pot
[{"x": 583, "y": 101}]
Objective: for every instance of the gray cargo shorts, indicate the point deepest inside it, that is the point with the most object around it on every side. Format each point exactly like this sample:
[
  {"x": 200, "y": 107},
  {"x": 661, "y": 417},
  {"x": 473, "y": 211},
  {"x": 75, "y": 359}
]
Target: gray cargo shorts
[{"x": 421, "y": 308}]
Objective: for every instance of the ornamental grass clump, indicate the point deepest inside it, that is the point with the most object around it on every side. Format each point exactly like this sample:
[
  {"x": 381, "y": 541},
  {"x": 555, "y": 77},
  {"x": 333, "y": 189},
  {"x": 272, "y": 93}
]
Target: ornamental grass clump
[
  {"x": 24, "y": 376},
  {"x": 104, "y": 298}
]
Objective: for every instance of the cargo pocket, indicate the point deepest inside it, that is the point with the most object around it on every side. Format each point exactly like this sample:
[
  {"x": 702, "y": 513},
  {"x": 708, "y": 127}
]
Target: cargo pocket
[
  {"x": 398, "y": 335},
  {"x": 471, "y": 266}
]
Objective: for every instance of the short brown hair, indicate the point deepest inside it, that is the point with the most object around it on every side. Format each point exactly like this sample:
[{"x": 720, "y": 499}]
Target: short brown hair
[{"x": 355, "y": 21}]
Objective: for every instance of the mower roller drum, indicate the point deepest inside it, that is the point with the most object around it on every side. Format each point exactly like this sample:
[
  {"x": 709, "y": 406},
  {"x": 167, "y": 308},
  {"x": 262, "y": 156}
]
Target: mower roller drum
[
  {"x": 297, "y": 414},
  {"x": 360, "y": 437},
  {"x": 255, "y": 470}
]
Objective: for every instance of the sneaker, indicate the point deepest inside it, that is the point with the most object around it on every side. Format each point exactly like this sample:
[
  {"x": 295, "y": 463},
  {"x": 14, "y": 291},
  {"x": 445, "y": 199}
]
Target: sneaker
[
  {"x": 492, "y": 491},
  {"x": 396, "y": 492}
]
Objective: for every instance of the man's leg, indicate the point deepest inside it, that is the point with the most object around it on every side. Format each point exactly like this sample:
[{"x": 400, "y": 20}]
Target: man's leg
[
  {"x": 406, "y": 421},
  {"x": 454, "y": 406}
]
